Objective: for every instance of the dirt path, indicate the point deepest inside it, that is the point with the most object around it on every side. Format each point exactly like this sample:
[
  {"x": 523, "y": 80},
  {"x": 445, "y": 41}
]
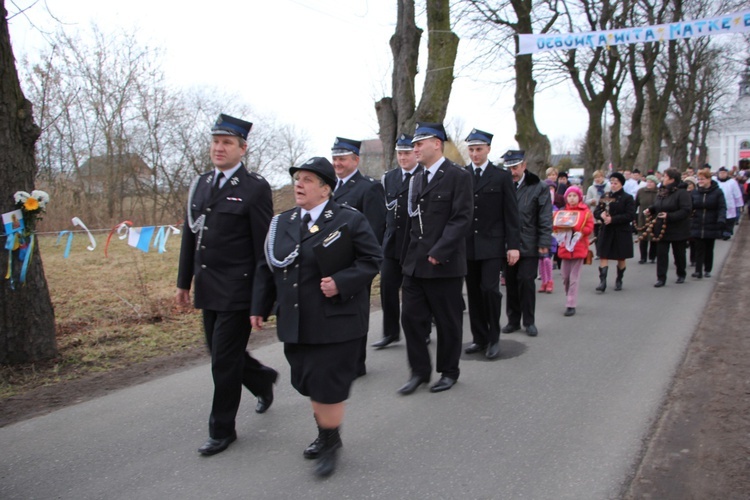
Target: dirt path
[{"x": 700, "y": 447}]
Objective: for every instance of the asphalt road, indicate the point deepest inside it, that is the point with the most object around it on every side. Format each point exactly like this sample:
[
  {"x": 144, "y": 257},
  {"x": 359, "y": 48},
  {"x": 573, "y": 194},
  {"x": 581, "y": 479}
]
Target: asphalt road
[{"x": 560, "y": 416}]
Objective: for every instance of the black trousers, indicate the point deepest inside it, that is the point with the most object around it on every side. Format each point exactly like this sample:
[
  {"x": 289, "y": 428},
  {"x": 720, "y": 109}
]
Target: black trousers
[
  {"x": 662, "y": 258},
  {"x": 390, "y": 285},
  {"x": 485, "y": 299},
  {"x": 423, "y": 299},
  {"x": 227, "y": 333},
  {"x": 648, "y": 249},
  {"x": 704, "y": 254},
  {"x": 519, "y": 286}
]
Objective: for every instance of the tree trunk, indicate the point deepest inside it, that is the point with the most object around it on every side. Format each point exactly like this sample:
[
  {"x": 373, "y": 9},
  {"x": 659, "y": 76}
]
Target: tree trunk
[
  {"x": 528, "y": 136},
  {"x": 27, "y": 322},
  {"x": 593, "y": 151},
  {"x": 615, "y": 148},
  {"x": 442, "y": 47},
  {"x": 399, "y": 114}
]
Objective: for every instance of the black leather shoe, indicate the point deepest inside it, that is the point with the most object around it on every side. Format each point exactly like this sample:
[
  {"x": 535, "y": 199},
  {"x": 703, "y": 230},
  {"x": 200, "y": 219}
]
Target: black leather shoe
[
  {"x": 313, "y": 450},
  {"x": 443, "y": 384},
  {"x": 642, "y": 261},
  {"x": 474, "y": 348},
  {"x": 697, "y": 275},
  {"x": 531, "y": 331},
  {"x": 570, "y": 311},
  {"x": 265, "y": 400},
  {"x": 328, "y": 453},
  {"x": 510, "y": 328},
  {"x": 214, "y": 446},
  {"x": 659, "y": 284},
  {"x": 411, "y": 386},
  {"x": 493, "y": 350},
  {"x": 707, "y": 274},
  {"x": 680, "y": 280},
  {"x": 384, "y": 342}
]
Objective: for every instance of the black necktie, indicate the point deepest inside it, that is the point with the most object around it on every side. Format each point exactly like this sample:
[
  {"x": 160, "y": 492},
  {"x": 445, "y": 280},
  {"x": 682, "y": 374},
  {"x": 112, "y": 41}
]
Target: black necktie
[
  {"x": 516, "y": 184},
  {"x": 216, "y": 185},
  {"x": 407, "y": 176},
  {"x": 477, "y": 175},
  {"x": 426, "y": 178},
  {"x": 305, "y": 222},
  {"x": 338, "y": 186}
]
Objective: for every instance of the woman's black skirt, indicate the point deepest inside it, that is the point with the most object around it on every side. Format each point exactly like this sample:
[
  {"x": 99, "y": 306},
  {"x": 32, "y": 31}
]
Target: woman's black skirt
[{"x": 324, "y": 372}]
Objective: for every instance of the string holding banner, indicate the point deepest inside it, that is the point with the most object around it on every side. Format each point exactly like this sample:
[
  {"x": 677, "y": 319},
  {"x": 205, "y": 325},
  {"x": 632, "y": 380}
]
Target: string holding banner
[
  {"x": 162, "y": 236},
  {"x": 78, "y": 222},
  {"x": 738, "y": 22},
  {"x": 122, "y": 232}
]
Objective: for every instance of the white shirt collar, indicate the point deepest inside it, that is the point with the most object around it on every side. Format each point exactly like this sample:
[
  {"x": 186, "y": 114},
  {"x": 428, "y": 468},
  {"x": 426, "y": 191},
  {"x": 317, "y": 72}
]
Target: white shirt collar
[
  {"x": 481, "y": 167},
  {"x": 314, "y": 213},
  {"x": 434, "y": 168},
  {"x": 227, "y": 173},
  {"x": 344, "y": 180}
]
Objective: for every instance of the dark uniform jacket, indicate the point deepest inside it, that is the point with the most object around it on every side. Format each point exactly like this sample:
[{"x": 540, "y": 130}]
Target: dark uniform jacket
[
  {"x": 494, "y": 228},
  {"x": 677, "y": 203},
  {"x": 616, "y": 238},
  {"x": 366, "y": 195},
  {"x": 535, "y": 215},
  {"x": 709, "y": 212},
  {"x": 304, "y": 315},
  {"x": 236, "y": 223},
  {"x": 446, "y": 212},
  {"x": 396, "y": 192}
]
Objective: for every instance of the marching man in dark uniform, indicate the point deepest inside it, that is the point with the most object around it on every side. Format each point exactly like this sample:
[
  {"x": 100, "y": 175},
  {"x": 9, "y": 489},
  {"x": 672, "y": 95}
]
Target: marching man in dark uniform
[
  {"x": 535, "y": 220},
  {"x": 396, "y": 185},
  {"x": 321, "y": 258},
  {"x": 360, "y": 192},
  {"x": 434, "y": 260},
  {"x": 494, "y": 237},
  {"x": 229, "y": 210}
]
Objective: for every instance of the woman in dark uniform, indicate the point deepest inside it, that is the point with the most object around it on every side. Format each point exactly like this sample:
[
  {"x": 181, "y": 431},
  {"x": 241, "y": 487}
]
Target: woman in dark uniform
[
  {"x": 616, "y": 210},
  {"x": 321, "y": 318}
]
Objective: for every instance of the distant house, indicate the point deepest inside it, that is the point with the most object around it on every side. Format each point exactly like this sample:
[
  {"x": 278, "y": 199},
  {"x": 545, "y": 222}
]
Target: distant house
[
  {"x": 565, "y": 161},
  {"x": 729, "y": 141},
  {"x": 123, "y": 172},
  {"x": 372, "y": 159}
]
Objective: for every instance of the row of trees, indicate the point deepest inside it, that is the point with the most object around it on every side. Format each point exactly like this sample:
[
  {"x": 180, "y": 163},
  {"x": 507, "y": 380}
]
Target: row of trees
[
  {"x": 638, "y": 97},
  {"x": 119, "y": 141}
]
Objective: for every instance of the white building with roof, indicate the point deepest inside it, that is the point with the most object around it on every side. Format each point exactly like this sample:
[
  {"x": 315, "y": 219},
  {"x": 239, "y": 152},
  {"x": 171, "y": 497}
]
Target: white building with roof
[{"x": 729, "y": 141}]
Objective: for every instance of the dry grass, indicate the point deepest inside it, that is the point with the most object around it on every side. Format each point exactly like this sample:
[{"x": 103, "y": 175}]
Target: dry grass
[{"x": 110, "y": 312}]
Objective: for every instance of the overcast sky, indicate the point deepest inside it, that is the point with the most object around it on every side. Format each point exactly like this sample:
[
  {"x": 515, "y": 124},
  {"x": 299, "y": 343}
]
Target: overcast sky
[{"x": 317, "y": 64}]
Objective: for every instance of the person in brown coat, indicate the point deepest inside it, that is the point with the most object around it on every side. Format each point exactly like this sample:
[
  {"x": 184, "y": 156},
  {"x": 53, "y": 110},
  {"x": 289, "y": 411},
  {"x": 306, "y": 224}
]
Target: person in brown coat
[{"x": 644, "y": 199}]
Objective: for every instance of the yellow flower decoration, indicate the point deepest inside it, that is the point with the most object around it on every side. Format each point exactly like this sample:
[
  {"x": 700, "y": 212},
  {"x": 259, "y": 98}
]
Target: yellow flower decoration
[{"x": 31, "y": 204}]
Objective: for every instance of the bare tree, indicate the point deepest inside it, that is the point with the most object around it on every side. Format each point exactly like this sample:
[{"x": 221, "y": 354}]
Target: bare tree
[
  {"x": 119, "y": 142},
  {"x": 398, "y": 113},
  {"x": 497, "y": 24},
  {"x": 27, "y": 323},
  {"x": 595, "y": 75},
  {"x": 642, "y": 68}
]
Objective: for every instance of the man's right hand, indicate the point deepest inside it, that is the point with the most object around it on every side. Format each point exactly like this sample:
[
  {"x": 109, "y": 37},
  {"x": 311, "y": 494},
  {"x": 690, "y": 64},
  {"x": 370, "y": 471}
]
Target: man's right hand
[{"x": 183, "y": 297}]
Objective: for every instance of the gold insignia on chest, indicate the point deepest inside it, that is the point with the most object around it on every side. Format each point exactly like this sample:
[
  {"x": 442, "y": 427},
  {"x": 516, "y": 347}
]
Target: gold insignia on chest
[{"x": 314, "y": 229}]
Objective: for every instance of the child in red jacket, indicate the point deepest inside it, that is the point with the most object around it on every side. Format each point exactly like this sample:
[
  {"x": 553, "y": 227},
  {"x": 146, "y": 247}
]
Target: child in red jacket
[{"x": 572, "y": 227}]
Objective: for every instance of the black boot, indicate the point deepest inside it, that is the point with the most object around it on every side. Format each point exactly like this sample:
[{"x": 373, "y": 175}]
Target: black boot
[
  {"x": 328, "y": 454},
  {"x": 602, "y": 279},
  {"x": 313, "y": 450},
  {"x": 618, "y": 280}
]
